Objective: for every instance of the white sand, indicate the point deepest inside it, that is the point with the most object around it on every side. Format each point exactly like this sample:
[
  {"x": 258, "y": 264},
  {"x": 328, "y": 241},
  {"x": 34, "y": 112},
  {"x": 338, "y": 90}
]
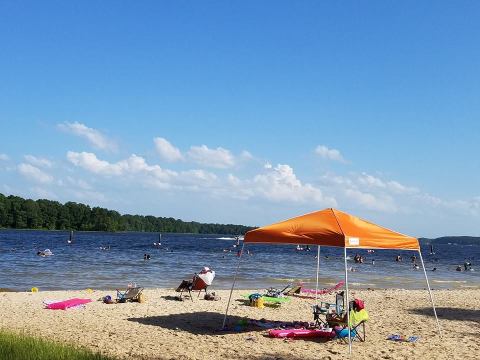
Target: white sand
[{"x": 169, "y": 329}]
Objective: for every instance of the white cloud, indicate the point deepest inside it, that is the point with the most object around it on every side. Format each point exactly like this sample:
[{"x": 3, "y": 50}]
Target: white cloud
[
  {"x": 134, "y": 165},
  {"x": 368, "y": 192},
  {"x": 166, "y": 150},
  {"x": 371, "y": 181},
  {"x": 33, "y": 173},
  {"x": 281, "y": 184},
  {"x": 329, "y": 154},
  {"x": 370, "y": 201},
  {"x": 90, "y": 162},
  {"x": 246, "y": 155},
  {"x": 219, "y": 158},
  {"x": 278, "y": 184},
  {"x": 93, "y": 136},
  {"x": 196, "y": 175},
  {"x": 38, "y": 161},
  {"x": 474, "y": 205},
  {"x": 4, "y": 157}
]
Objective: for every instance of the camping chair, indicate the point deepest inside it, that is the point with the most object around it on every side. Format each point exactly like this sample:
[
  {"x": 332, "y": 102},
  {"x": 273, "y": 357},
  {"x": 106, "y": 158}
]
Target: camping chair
[
  {"x": 329, "y": 310},
  {"x": 358, "y": 318},
  {"x": 131, "y": 294},
  {"x": 196, "y": 284}
]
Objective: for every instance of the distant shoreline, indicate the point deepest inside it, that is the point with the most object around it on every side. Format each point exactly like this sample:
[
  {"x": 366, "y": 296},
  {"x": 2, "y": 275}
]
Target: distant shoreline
[
  {"x": 115, "y": 232},
  {"x": 460, "y": 239}
]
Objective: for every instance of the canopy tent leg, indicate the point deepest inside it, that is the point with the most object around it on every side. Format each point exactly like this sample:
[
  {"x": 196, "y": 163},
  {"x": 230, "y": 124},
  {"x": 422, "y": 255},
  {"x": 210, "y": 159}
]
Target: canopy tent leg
[
  {"x": 233, "y": 285},
  {"x": 347, "y": 302},
  {"x": 430, "y": 293},
  {"x": 318, "y": 268}
]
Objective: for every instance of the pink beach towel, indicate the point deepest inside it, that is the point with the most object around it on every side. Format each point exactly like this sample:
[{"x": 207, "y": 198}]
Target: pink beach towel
[
  {"x": 301, "y": 333},
  {"x": 323, "y": 291},
  {"x": 62, "y": 305}
]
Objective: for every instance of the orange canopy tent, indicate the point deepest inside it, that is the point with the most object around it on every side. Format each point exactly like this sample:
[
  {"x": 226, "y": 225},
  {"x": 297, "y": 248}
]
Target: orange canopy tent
[{"x": 331, "y": 227}]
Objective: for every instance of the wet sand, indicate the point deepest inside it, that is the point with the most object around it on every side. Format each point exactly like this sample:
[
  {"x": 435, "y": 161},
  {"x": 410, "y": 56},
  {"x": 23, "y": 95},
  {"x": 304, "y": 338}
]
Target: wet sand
[{"x": 163, "y": 328}]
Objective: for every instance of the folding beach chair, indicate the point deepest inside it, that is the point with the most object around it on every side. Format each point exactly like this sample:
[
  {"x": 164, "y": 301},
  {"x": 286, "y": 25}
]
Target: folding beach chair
[
  {"x": 293, "y": 290},
  {"x": 198, "y": 283},
  {"x": 130, "y": 294},
  {"x": 329, "y": 310},
  {"x": 358, "y": 317},
  {"x": 273, "y": 292},
  {"x": 357, "y": 326}
]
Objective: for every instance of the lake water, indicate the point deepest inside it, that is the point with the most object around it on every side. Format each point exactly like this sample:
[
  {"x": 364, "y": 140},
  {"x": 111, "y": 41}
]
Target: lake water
[{"x": 83, "y": 264}]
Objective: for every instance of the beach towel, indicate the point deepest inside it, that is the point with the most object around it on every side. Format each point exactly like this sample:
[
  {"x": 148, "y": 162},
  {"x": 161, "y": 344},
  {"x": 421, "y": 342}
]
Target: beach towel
[
  {"x": 269, "y": 299},
  {"x": 301, "y": 333},
  {"x": 403, "y": 338},
  {"x": 323, "y": 291},
  {"x": 66, "y": 304}
]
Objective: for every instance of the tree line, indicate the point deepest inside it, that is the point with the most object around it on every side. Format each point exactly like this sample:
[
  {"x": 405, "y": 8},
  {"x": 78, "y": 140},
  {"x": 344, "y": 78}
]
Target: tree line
[{"x": 19, "y": 213}]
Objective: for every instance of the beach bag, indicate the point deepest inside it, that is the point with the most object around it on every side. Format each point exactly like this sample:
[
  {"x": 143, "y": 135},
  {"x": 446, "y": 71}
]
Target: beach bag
[
  {"x": 259, "y": 303},
  {"x": 256, "y": 300},
  {"x": 141, "y": 298},
  {"x": 358, "y": 305}
]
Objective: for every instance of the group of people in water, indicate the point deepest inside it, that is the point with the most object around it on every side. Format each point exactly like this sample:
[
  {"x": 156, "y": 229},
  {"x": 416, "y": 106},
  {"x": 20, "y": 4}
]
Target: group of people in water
[
  {"x": 413, "y": 259},
  {"x": 467, "y": 266},
  {"x": 44, "y": 253}
]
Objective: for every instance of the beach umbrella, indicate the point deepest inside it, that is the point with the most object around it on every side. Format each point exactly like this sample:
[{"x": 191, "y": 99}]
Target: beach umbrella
[{"x": 332, "y": 227}]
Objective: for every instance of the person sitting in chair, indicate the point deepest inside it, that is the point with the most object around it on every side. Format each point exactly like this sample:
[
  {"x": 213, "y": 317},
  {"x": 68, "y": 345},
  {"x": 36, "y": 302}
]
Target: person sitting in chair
[{"x": 206, "y": 275}]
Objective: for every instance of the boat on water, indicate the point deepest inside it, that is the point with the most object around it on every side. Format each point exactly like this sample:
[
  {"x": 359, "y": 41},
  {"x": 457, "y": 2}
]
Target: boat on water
[
  {"x": 159, "y": 243},
  {"x": 70, "y": 239}
]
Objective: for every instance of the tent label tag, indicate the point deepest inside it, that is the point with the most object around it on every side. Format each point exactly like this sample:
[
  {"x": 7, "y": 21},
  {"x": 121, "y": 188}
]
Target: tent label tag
[{"x": 353, "y": 241}]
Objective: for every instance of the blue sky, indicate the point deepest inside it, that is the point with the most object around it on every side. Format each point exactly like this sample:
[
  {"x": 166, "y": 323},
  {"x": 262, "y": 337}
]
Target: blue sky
[{"x": 246, "y": 112}]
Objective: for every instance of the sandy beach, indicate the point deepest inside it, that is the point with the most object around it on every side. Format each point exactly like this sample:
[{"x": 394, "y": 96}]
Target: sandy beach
[{"x": 163, "y": 328}]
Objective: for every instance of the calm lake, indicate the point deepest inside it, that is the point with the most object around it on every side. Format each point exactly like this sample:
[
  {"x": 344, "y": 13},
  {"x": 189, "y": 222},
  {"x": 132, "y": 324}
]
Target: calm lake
[{"x": 83, "y": 264}]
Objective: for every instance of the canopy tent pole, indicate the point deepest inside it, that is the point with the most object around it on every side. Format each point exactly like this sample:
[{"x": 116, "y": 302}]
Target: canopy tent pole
[
  {"x": 430, "y": 293},
  {"x": 233, "y": 285},
  {"x": 318, "y": 268},
  {"x": 346, "y": 297}
]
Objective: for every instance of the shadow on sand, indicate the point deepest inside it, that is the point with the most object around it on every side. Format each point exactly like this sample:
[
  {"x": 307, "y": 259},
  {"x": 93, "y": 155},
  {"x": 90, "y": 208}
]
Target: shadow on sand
[
  {"x": 199, "y": 323},
  {"x": 208, "y": 323},
  {"x": 449, "y": 313}
]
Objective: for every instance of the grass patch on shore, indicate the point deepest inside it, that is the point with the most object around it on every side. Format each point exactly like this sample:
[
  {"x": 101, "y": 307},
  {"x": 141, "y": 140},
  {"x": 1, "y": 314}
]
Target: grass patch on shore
[{"x": 22, "y": 347}]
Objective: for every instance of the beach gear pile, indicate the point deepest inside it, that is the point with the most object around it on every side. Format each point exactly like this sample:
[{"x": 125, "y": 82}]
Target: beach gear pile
[
  {"x": 243, "y": 324},
  {"x": 212, "y": 296},
  {"x": 275, "y": 293},
  {"x": 286, "y": 329}
]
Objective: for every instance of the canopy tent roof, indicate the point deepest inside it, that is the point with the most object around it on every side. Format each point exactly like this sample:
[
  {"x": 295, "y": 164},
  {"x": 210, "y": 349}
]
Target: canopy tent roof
[{"x": 331, "y": 227}]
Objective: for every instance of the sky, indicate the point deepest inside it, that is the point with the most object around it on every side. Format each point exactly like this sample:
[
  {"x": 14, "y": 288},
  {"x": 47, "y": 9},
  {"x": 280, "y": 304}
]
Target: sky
[{"x": 246, "y": 112}]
